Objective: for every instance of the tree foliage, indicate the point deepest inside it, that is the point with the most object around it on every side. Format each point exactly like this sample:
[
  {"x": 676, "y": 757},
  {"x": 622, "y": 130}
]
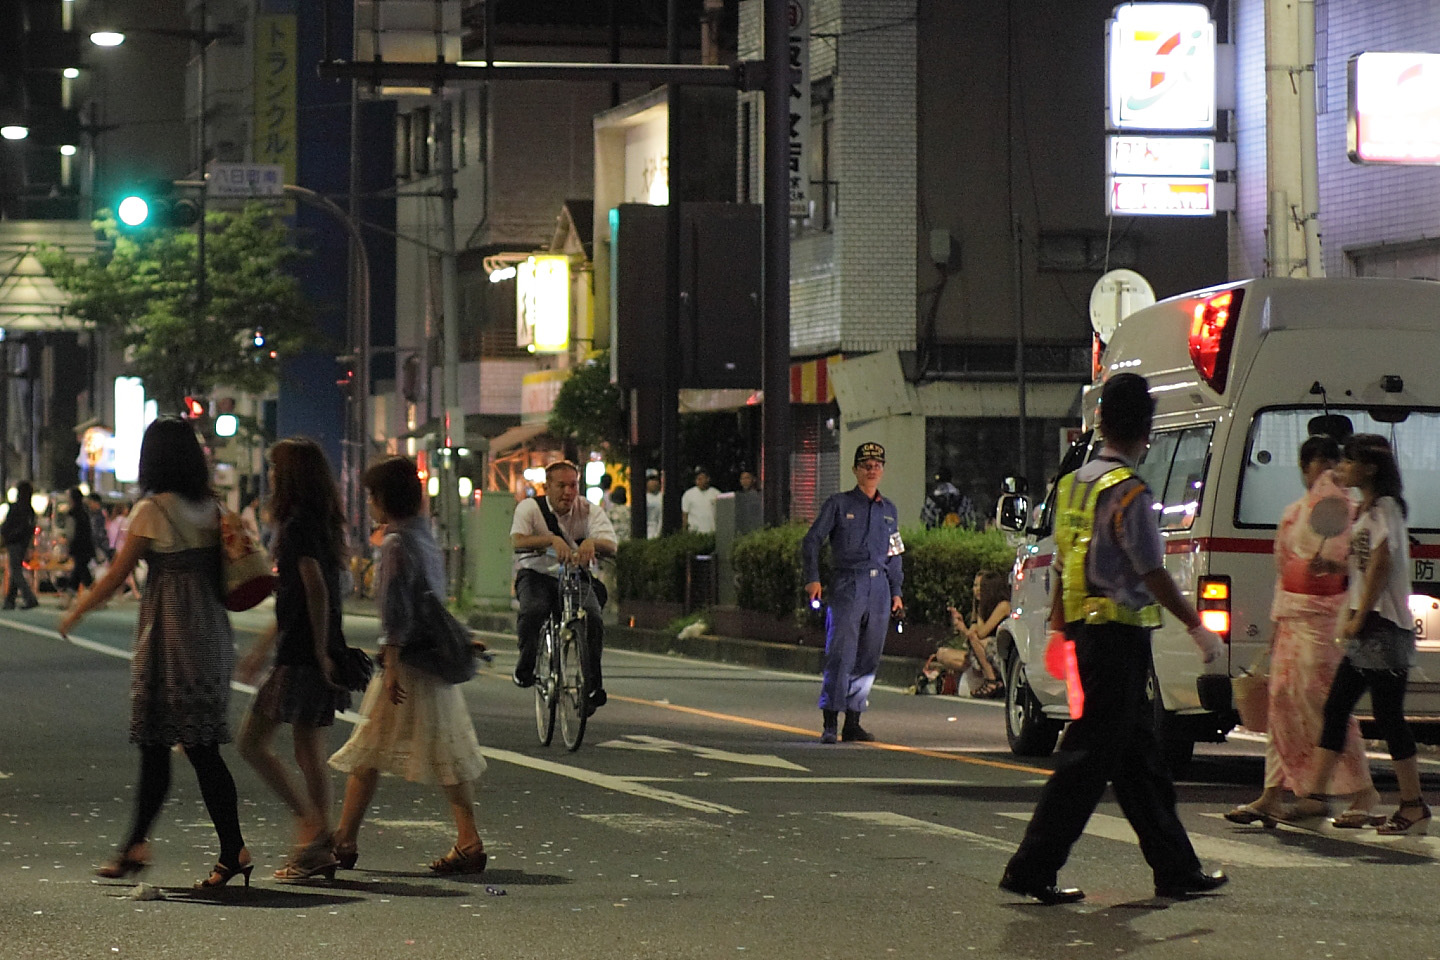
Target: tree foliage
[
  {"x": 143, "y": 288},
  {"x": 587, "y": 408}
]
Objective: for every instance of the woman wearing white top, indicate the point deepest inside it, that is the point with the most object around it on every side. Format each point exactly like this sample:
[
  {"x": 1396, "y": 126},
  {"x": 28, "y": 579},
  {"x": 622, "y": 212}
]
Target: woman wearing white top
[{"x": 1379, "y": 646}]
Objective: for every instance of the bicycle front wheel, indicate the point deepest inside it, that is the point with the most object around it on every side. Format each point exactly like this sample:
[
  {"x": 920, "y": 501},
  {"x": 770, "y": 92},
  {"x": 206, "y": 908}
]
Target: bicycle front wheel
[
  {"x": 547, "y": 684},
  {"x": 572, "y": 685}
]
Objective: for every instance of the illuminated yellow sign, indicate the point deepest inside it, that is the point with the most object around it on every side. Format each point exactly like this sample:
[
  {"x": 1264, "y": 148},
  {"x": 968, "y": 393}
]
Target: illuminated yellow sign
[{"x": 542, "y": 304}]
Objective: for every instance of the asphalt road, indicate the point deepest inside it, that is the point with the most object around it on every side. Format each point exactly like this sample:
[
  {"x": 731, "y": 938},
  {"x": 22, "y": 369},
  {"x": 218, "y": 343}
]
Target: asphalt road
[{"x": 700, "y": 819}]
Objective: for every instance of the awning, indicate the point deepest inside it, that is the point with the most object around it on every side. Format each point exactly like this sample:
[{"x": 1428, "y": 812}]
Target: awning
[{"x": 29, "y": 299}]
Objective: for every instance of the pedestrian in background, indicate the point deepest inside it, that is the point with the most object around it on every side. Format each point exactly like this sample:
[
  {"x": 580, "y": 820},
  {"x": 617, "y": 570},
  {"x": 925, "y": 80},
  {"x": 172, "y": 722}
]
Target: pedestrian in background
[
  {"x": 698, "y": 504},
  {"x": 300, "y": 689},
  {"x": 184, "y": 651},
  {"x": 1379, "y": 643},
  {"x": 944, "y": 505},
  {"x": 1112, "y": 582},
  {"x": 654, "y": 505},
  {"x": 619, "y": 511},
  {"x": 79, "y": 542},
  {"x": 974, "y": 655},
  {"x": 414, "y": 724},
  {"x": 863, "y": 528},
  {"x": 1304, "y": 655},
  {"x": 104, "y": 550},
  {"x": 17, "y": 532}
]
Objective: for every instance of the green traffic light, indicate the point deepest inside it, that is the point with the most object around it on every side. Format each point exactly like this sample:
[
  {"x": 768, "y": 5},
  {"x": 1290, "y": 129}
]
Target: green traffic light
[{"x": 134, "y": 211}]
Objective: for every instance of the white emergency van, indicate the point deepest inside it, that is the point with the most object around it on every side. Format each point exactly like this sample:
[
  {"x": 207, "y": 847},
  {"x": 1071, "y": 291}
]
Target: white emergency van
[{"x": 1241, "y": 375}]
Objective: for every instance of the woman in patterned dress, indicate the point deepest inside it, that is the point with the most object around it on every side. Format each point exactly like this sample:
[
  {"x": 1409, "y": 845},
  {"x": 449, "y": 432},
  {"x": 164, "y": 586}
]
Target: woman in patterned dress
[
  {"x": 300, "y": 689},
  {"x": 1304, "y": 657},
  {"x": 184, "y": 652},
  {"x": 415, "y": 725}
]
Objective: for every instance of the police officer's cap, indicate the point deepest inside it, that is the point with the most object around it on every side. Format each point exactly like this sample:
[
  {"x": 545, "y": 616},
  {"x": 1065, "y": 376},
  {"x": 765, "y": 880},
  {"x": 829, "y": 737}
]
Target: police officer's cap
[{"x": 869, "y": 451}]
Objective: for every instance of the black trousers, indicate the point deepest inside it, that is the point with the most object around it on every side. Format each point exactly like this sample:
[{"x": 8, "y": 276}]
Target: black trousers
[
  {"x": 1387, "y": 699},
  {"x": 1112, "y": 744},
  {"x": 19, "y": 581},
  {"x": 539, "y": 594}
]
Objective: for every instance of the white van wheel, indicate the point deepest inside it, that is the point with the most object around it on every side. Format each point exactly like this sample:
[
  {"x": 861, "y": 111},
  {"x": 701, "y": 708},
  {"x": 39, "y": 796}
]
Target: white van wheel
[{"x": 1029, "y": 731}]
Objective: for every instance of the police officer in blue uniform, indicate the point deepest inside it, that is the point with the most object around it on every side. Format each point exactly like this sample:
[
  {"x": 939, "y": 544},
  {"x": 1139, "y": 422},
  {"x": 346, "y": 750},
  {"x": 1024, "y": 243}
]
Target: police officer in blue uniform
[
  {"x": 1112, "y": 584},
  {"x": 863, "y": 528}
]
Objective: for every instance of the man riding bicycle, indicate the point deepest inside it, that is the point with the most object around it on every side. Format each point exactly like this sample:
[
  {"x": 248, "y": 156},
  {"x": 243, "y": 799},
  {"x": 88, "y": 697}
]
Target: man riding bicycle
[{"x": 576, "y": 530}]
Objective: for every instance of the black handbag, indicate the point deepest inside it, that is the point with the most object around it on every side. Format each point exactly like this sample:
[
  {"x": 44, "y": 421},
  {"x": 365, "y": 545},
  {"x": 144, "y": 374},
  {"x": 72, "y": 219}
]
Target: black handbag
[
  {"x": 353, "y": 669},
  {"x": 438, "y": 643}
]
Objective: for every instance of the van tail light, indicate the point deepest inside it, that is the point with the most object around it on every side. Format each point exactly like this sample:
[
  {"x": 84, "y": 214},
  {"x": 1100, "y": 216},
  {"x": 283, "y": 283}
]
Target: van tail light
[
  {"x": 1212, "y": 333},
  {"x": 1213, "y": 602},
  {"x": 1097, "y": 353}
]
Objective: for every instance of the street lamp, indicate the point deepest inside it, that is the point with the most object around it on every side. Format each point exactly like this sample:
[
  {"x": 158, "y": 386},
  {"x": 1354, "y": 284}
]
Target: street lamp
[{"x": 14, "y": 131}]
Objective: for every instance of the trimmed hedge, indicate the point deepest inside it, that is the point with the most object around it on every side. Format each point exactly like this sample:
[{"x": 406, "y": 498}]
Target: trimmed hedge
[
  {"x": 654, "y": 570},
  {"x": 940, "y": 566}
]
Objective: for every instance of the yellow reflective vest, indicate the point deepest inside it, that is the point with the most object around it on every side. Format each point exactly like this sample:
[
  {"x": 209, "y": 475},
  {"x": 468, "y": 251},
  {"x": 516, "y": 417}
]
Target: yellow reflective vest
[{"x": 1074, "y": 530}]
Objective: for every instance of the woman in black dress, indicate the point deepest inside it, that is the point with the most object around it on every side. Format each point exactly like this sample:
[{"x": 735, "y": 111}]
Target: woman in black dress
[{"x": 300, "y": 689}]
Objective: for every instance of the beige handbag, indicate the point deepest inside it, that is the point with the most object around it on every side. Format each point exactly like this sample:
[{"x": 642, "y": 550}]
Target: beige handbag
[
  {"x": 245, "y": 568},
  {"x": 1251, "y": 691}
]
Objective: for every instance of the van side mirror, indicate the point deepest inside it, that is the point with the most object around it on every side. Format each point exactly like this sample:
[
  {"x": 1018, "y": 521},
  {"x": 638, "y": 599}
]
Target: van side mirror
[{"x": 1012, "y": 512}]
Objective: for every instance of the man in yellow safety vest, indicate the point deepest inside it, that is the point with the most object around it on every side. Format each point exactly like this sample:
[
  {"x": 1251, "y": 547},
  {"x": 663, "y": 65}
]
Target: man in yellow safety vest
[{"x": 1110, "y": 560}]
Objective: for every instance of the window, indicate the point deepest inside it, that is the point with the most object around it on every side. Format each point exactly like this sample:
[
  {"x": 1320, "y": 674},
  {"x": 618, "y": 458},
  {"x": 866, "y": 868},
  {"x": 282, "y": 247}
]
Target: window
[
  {"x": 420, "y": 140},
  {"x": 1271, "y": 478},
  {"x": 1174, "y": 469},
  {"x": 402, "y": 146}
]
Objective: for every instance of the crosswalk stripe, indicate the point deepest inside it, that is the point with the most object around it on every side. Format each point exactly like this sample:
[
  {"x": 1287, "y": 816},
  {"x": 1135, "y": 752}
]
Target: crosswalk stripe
[
  {"x": 1419, "y": 846},
  {"x": 1207, "y": 848},
  {"x": 898, "y": 821}
]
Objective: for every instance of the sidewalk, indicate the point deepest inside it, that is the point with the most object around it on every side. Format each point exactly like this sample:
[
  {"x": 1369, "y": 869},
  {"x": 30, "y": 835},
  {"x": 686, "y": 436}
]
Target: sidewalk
[{"x": 894, "y": 671}]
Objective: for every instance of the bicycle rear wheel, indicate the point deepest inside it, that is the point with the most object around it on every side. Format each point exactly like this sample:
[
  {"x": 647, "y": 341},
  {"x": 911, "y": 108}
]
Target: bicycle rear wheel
[
  {"x": 572, "y": 686},
  {"x": 546, "y": 684}
]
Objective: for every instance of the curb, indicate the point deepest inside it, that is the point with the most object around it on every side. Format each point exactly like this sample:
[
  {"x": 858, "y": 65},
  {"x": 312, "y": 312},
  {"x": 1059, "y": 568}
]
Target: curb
[{"x": 893, "y": 671}]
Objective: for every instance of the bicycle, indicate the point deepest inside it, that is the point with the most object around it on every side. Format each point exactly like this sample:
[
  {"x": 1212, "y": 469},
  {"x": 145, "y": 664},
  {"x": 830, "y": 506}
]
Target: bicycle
[{"x": 560, "y": 681}]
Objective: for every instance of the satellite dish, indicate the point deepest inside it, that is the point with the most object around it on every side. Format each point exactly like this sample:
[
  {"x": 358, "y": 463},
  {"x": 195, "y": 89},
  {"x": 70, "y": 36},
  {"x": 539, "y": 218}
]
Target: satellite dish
[{"x": 1117, "y": 295}]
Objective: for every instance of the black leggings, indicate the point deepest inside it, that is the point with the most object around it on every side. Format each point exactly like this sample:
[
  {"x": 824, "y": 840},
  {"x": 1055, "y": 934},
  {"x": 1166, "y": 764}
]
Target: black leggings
[
  {"x": 1387, "y": 698},
  {"x": 217, "y": 788}
]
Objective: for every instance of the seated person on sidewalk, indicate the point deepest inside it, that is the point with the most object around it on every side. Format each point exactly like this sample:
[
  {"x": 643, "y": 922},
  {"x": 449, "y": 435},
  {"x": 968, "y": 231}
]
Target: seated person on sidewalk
[
  {"x": 973, "y": 652},
  {"x": 576, "y": 530}
]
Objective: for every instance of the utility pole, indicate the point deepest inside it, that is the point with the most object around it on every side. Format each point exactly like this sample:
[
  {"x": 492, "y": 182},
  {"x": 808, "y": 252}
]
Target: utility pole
[
  {"x": 775, "y": 359},
  {"x": 454, "y": 415},
  {"x": 1292, "y": 164}
]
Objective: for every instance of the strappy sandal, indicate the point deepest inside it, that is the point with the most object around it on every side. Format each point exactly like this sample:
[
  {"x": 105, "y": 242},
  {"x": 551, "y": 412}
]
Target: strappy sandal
[
  {"x": 310, "y": 860},
  {"x": 461, "y": 861},
  {"x": 1399, "y": 824},
  {"x": 222, "y": 873},
  {"x": 122, "y": 866},
  {"x": 990, "y": 690},
  {"x": 1358, "y": 819},
  {"x": 346, "y": 855}
]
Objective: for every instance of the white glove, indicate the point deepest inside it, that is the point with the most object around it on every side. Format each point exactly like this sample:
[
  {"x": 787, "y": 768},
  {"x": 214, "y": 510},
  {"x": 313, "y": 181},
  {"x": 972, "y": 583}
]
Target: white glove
[{"x": 1209, "y": 642}]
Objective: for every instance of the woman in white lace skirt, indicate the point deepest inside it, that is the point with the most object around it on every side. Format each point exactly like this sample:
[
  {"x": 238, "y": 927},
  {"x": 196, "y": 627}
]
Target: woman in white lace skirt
[{"x": 416, "y": 725}]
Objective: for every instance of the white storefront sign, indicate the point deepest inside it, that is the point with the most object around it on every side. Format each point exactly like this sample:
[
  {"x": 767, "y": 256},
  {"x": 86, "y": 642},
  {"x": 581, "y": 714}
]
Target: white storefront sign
[
  {"x": 1162, "y": 196},
  {"x": 1161, "y": 67},
  {"x": 245, "y": 180},
  {"x": 542, "y": 304},
  {"x": 799, "y": 16},
  {"x": 1394, "y": 108},
  {"x": 1138, "y": 156}
]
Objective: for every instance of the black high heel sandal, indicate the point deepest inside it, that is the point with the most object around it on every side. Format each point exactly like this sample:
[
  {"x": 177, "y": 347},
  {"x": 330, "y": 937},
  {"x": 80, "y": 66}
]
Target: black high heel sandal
[
  {"x": 221, "y": 874},
  {"x": 345, "y": 857}
]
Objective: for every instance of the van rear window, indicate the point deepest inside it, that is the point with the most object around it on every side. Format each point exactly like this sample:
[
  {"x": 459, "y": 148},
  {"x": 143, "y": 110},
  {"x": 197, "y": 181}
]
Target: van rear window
[{"x": 1271, "y": 479}]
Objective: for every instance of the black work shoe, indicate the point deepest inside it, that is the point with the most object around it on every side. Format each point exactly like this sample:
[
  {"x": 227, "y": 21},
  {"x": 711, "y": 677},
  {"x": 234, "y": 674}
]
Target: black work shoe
[
  {"x": 854, "y": 733},
  {"x": 523, "y": 679},
  {"x": 8, "y": 606},
  {"x": 31, "y": 605},
  {"x": 1197, "y": 882},
  {"x": 1048, "y": 894},
  {"x": 596, "y": 699}
]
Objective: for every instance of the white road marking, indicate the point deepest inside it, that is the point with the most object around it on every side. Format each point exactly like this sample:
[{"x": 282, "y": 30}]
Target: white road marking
[
  {"x": 637, "y": 741},
  {"x": 642, "y": 824},
  {"x": 607, "y": 782},
  {"x": 1207, "y": 848},
  {"x": 897, "y": 821},
  {"x": 1418, "y": 846},
  {"x": 879, "y": 781}
]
